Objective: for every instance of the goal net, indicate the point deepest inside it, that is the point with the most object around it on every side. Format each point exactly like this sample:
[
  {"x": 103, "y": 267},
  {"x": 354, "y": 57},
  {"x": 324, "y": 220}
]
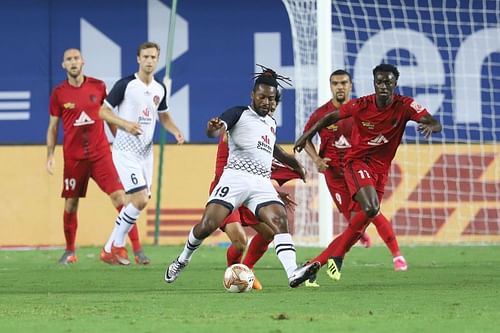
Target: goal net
[{"x": 442, "y": 190}]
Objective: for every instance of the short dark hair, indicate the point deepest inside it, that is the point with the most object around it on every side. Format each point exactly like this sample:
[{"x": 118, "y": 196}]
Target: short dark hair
[
  {"x": 386, "y": 68},
  {"x": 148, "y": 45},
  {"x": 341, "y": 72}
]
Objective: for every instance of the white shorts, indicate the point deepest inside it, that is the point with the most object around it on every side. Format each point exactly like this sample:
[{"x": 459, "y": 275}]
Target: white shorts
[
  {"x": 136, "y": 172},
  {"x": 236, "y": 188}
]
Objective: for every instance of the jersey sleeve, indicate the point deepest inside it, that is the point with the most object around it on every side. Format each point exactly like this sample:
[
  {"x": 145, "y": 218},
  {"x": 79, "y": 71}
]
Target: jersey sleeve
[
  {"x": 115, "y": 96},
  {"x": 231, "y": 116},
  {"x": 415, "y": 110},
  {"x": 54, "y": 108},
  {"x": 313, "y": 119},
  {"x": 349, "y": 109},
  {"x": 163, "y": 107}
]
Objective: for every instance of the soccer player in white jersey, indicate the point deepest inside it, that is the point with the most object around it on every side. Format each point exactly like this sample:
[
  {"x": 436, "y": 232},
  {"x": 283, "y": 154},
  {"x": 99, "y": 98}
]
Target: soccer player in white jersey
[
  {"x": 140, "y": 100},
  {"x": 246, "y": 180}
]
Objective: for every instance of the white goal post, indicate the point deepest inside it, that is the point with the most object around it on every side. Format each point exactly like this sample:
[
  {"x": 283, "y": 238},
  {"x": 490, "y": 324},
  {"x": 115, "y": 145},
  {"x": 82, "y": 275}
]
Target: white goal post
[{"x": 447, "y": 189}]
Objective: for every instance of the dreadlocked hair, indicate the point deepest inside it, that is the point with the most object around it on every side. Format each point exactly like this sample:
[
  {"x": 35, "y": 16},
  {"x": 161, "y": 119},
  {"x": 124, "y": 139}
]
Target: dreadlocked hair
[{"x": 270, "y": 78}]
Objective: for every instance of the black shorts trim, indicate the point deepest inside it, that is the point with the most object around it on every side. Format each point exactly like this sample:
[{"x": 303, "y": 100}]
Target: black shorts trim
[
  {"x": 137, "y": 189},
  {"x": 222, "y": 203},
  {"x": 264, "y": 204}
]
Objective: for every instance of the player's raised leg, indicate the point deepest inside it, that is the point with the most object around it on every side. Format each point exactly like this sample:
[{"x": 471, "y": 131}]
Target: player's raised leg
[
  {"x": 213, "y": 216},
  {"x": 274, "y": 216}
]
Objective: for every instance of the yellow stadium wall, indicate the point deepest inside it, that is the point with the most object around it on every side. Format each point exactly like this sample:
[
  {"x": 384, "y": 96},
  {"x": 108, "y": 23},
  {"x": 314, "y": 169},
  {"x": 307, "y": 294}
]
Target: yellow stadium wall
[{"x": 32, "y": 209}]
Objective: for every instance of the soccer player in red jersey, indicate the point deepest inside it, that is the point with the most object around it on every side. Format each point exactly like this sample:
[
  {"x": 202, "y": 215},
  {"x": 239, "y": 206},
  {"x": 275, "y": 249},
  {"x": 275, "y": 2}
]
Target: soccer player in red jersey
[
  {"x": 77, "y": 101},
  {"x": 379, "y": 121},
  {"x": 233, "y": 224},
  {"x": 335, "y": 143}
]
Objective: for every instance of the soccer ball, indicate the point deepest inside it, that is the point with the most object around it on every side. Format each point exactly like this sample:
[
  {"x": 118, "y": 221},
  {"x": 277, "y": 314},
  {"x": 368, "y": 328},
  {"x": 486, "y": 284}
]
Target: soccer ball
[{"x": 238, "y": 278}]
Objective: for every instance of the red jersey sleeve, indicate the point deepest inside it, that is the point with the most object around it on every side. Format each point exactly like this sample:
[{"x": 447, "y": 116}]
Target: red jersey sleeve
[
  {"x": 349, "y": 109},
  {"x": 415, "y": 110},
  {"x": 54, "y": 107},
  {"x": 313, "y": 119}
]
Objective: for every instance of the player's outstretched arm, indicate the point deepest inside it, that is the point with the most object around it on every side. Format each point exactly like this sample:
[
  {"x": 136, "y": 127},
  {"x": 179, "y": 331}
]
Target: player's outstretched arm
[
  {"x": 281, "y": 155},
  {"x": 214, "y": 127},
  {"x": 51, "y": 143},
  {"x": 107, "y": 115},
  {"x": 428, "y": 125},
  {"x": 168, "y": 123},
  {"x": 327, "y": 120},
  {"x": 321, "y": 163}
]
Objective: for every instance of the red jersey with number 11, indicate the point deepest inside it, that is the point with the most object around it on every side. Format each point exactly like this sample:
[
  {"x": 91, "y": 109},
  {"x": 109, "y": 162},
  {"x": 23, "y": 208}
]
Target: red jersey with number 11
[
  {"x": 377, "y": 133},
  {"x": 84, "y": 136}
]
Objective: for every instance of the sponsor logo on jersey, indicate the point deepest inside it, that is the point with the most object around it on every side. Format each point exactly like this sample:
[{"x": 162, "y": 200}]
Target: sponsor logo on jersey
[
  {"x": 156, "y": 100},
  {"x": 368, "y": 125},
  {"x": 417, "y": 107},
  {"x": 342, "y": 143},
  {"x": 145, "y": 117},
  {"x": 333, "y": 127},
  {"x": 379, "y": 140},
  {"x": 83, "y": 120},
  {"x": 265, "y": 144},
  {"x": 69, "y": 106}
]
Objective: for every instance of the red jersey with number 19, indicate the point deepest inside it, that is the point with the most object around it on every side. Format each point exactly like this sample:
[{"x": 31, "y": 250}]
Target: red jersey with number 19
[
  {"x": 377, "y": 133},
  {"x": 84, "y": 136}
]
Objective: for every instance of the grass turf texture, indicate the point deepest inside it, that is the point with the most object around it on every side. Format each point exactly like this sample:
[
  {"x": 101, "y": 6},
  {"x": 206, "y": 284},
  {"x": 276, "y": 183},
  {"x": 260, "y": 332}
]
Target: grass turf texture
[{"x": 446, "y": 289}]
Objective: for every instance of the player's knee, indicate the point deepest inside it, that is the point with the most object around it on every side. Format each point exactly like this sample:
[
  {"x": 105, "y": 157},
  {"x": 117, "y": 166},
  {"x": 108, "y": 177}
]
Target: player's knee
[
  {"x": 208, "y": 225},
  {"x": 240, "y": 244},
  {"x": 280, "y": 221},
  {"x": 372, "y": 209}
]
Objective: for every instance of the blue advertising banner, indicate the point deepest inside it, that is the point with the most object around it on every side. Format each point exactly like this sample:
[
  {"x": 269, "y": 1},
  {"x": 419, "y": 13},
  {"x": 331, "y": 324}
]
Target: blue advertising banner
[{"x": 218, "y": 43}]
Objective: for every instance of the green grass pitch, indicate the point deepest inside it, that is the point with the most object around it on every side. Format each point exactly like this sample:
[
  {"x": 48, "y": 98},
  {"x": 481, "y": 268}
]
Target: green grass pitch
[{"x": 446, "y": 289}]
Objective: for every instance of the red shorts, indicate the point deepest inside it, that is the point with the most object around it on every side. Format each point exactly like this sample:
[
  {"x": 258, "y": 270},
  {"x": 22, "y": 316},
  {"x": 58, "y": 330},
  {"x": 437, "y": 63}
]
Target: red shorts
[
  {"x": 77, "y": 174},
  {"x": 358, "y": 174},
  {"x": 242, "y": 215},
  {"x": 340, "y": 193}
]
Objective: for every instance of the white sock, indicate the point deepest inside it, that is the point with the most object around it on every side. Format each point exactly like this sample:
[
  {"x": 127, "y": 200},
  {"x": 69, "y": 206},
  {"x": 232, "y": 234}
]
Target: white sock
[
  {"x": 285, "y": 250},
  {"x": 125, "y": 221},
  {"x": 109, "y": 243},
  {"x": 192, "y": 244}
]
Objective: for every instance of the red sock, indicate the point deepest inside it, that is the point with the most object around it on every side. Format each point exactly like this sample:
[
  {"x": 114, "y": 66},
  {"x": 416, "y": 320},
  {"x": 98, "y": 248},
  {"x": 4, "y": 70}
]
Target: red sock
[
  {"x": 343, "y": 242},
  {"x": 387, "y": 234},
  {"x": 133, "y": 235},
  {"x": 233, "y": 255},
  {"x": 70, "y": 226},
  {"x": 258, "y": 246}
]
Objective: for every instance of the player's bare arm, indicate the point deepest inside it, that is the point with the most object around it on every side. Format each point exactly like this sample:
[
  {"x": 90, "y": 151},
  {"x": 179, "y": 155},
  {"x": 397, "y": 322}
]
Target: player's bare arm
[
  {"x": 321, "y": 163},
  {"x": 107, "y": 115},
  {"x": 51, "y": 143},
  {"x": 169, "y": 125},
  {"x": 327, "y": 120},
  {"x": 214, "y": 127},
  {"x": 281, "y": 155},
  {"x": 428, "y": 125}
]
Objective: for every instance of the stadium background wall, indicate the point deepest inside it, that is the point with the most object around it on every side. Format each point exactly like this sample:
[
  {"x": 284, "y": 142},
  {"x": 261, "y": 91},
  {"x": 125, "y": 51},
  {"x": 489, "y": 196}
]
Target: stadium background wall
[{"x": 32, "y": 208}]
